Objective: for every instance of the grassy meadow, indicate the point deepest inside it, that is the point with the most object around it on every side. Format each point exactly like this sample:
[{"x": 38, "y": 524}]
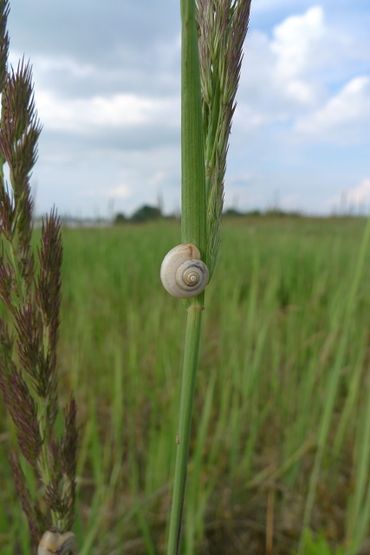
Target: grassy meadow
[{"x": 281, "y": 428}]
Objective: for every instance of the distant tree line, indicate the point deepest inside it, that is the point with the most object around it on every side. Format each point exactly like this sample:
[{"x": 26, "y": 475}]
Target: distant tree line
[{"x": 147, "y": 213}]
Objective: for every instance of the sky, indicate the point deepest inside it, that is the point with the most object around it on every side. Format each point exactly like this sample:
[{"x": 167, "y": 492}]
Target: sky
[{"x": 107, "y": 87}]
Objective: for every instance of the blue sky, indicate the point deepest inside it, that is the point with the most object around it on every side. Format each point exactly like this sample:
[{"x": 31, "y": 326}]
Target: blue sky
[{"x": 107, "y": 90}]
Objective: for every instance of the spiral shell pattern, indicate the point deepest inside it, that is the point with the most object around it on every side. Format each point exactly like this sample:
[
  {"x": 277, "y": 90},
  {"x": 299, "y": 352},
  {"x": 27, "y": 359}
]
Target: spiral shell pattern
[
  {"x": 54, "y": 543},
  {"x": 183, "y": 273}
]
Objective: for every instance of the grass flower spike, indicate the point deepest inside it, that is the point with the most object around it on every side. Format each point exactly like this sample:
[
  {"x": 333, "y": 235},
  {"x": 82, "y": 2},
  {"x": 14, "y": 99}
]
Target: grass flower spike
[
  {"x": 46, "y": 439},
  {"x": 223, "y": 26},
  {"x": 213, "y": 33}
]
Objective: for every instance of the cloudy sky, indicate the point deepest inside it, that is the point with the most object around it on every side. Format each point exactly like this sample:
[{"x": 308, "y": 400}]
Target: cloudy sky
[{"x": 107, "y": 90}]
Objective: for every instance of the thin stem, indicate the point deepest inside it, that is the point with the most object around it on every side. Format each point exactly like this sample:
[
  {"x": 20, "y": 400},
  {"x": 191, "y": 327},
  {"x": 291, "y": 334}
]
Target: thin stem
[
  {"x": 190, "y": 365},
  {"x": 218, "y": 31},
  {"x": 193, "y": 217},
  {"x": 193, "y": 230}
]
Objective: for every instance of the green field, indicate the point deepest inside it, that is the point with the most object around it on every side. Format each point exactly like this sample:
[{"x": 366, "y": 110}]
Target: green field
[{"x": 282, "y": 414}]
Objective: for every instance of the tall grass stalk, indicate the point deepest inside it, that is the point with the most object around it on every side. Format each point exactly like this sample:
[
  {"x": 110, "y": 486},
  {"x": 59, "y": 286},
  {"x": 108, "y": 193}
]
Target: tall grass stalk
[
  {"x": 208, "y": 90},
  {"x": 268, "y": 350},
  {"x": 342, "y": 325},
  {"x": 193, "y": 230},
  {"x": 43, "y": 453}
]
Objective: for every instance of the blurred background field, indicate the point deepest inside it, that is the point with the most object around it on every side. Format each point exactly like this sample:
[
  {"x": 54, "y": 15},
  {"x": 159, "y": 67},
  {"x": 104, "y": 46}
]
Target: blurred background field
[{"x": 281, "y": 427}]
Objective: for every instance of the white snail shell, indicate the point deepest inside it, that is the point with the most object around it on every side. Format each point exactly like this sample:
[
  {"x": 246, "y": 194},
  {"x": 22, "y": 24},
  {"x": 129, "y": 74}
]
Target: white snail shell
[
  {"x": 54, "y": 543},
  {"x": 183, "y": 273}
]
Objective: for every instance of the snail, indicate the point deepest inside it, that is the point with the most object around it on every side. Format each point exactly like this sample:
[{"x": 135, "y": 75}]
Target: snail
[
  {"x": 183, "y": 273},
  {"x": 54, "y": 543}
]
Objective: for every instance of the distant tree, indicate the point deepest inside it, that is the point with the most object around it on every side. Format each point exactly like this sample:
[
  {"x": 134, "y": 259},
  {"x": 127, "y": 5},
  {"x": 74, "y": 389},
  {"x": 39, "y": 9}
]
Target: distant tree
[
  {"x": 120, "y": 218},
  {"x": 233, "y": 213},
  {"x": 282, "y": 213},
  {"x": 146, "y": 213}
]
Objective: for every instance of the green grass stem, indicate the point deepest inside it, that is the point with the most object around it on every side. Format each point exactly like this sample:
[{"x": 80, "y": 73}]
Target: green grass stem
[
  {"x": 342, "y": 323},
  {"x": 193, "y": 230},
  {"x": 190, "y": 365},
  {"x": 193, "y": 184}
]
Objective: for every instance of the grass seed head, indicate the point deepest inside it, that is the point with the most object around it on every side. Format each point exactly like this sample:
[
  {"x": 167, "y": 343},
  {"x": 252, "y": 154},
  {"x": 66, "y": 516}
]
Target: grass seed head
[
  {"x": 222, "y": 26},
  {"x": 30, "y": 294}
]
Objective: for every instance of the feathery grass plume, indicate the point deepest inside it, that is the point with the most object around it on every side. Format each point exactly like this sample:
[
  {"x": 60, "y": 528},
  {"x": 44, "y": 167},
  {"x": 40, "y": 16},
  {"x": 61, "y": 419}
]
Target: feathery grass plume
[
  {"x": 30, "y": 292},
  {"x": 223, "y": 25}
]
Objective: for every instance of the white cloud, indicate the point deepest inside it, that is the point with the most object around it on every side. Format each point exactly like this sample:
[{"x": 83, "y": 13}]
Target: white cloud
[
  {"x": 279, "y": 80},
  {"x": 119, "y": 192},
  {"x": 63, "y": 64},
  {"x": 270, "y": 5},
  {"x": 282, "y": 83},
  {"x": 343, "y": 117},
  {"x": 295, "y": 38},
  {"x": 289, "y": 85},
  {"x": 275, "y": 77},
  {"x": 81, "y": 115},
  {"x": 115, "y": 124},
  {"x": 44, "y": 66}
]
